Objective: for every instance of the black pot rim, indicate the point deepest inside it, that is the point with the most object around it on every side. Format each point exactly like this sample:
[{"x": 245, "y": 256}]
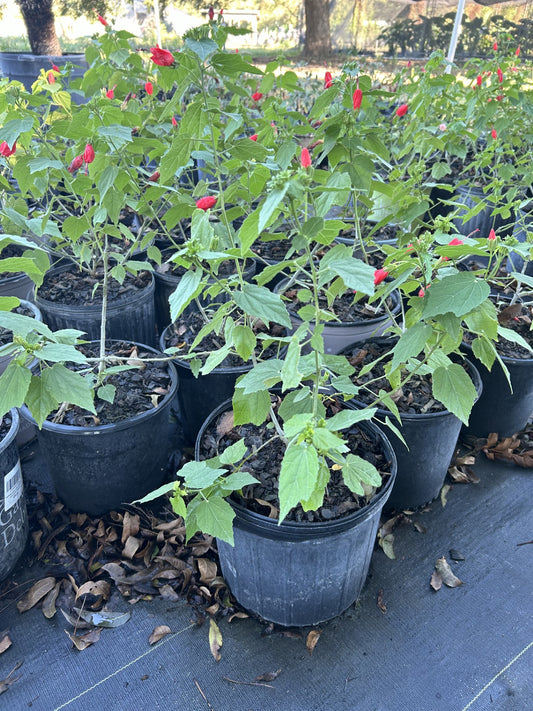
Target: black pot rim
[
  {"x": 298, "y": 530},
  {"x": 12, "y": 432},
  {"x": 78, "y": 430},
  {"x": 516, "y": 362}
]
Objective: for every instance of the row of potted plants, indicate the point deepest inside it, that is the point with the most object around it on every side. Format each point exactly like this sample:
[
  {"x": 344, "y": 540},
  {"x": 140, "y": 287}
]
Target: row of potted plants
[{"x": 268, "y": 223}]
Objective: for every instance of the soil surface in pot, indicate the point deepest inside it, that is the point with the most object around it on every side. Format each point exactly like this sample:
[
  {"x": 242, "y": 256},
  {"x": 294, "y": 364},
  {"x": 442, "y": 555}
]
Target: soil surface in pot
[
  {"x": 516, "y": 317},
  {"x": 349, "y": 307},
  {"x": 182, "y": 333},
  {"x": 6, "y": 336},
  {"x": 75, "y": 288},
  {"x": 225, "y": 268},
  {"x": 370, "y": 233},
  {"x": 265, "y": 466},
  {"x": 413, "y": 398},
  {"x": 137, "y": 390}
]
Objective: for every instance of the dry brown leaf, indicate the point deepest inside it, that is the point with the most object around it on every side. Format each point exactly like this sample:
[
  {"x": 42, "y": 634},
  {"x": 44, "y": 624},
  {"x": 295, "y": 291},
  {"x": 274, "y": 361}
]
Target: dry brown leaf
[
  {"x": 225, "y": 423},
  {"x": 274, "y": 512},
  {"x": 448, "y": 578},
  {"x": 215, "y": 640},
  {"x": 76, "y": 621},
  {"x": 36, "y": 593},
  {"x": 444, "y": 493},
  {"x": 159, "y": 632},
  {"x": 132, "y": 546},
  {"x": 463, "y": 475},
  {"x": 83, "y": 641},
  {"x": 436, "y": 581},
  {"x": 5, "y": 641},
  {"x": 381, "y": 604},
  {"x": 312, "y": 639},
  {"x": 207, "y": 569},
  {"x": 387, "y": 543},
  {"x": 238, "y": 615},
  {"x": 49, "y": 602},
  {"x": 419, "y": 527},
  {"x": 167, "y": 592},
  {"x": 268, "y": 676},
  {"x": 130, "y": 526},
  {"x": 98, "y": 588}
]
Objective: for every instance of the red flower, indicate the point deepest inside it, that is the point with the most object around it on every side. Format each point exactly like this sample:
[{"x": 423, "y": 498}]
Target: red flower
[
  {"x": 206, "y": 202},
  {"x": 257, "y": 96},
  {"x": 56, "y": 68},
  {"x": 149, "y": 88},
  {"x": 76, "y": 163},
  {"x": 110, "y": 93},
  {"x": 328, "y": 80},
  {"x": 50, "y": 78},
  {"x": 88, "y": 154},
  {"x": 455, "y": 241},
  {"x": 479, "y": 79},
  {"x": 6, "y": 151},
  {"x": 495, "y": 46},
  {"x": 402, "y": 110},
  {"x": 154, "y": 177},
  {"x": 254, "y": 137},
  {"x": 499, "y": 97},
  {"x": 357, "y": 98},
  {"x": 305, "y": 158},
  {"x": 161, "y": 57},
  {"x": 174, "y": 121},
  {"x": 517, "y": 53},
  {"x": 492, "y": 235},
  {"x": 500, "y": 75},
  {"x": 494, "y": 133},
  {"x": 211, "y": 12},
  {"x": 102, "y": 20},
  {"x": 421, "y": 292},
  {"x": 379, "y": 276}
]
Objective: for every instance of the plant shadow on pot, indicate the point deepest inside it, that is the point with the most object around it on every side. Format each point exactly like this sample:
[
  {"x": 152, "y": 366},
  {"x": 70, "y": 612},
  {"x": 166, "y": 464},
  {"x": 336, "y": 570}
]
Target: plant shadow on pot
[{"x": 302, "y": 573}]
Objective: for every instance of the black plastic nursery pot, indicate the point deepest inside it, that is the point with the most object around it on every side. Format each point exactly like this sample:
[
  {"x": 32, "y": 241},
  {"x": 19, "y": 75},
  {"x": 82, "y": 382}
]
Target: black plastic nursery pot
[
  {"x": 26, "y": 67},
  {"x": 523, "y": 226},
  {"x": 299, "y": 574},
  {"x": 482, "y": 223},
  {"x": 431, "y": 439},
  {"x": 97, "y": 469},
  {"x": 19, "y": 285},
  {"x": 499, "y": 409},
  {"x": 131, "y": 317},
  {"x": 13, "y": 516}
]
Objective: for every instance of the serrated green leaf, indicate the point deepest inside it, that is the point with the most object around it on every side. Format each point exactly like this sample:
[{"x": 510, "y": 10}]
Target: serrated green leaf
[
  {"x": 316, "y": 499},
  {"x": 485, "y": 351},
  {"x": 234, "y": 453},
  {"x": 326, "y": 441},
  {"x": 40, "y": 400},
  {"x": 60, "y": 352},
  {"x": 259, "y": 302},
  {"x": 107, "y": 392},
  {"x": 274, "y": 198},
  {"x": 68, "y": 386},
  {"x": 236, "y": 482},
  {"x": 14, "y": 384},
  {"x": 188, "y": 288},
  {"x": 244, "y": 340},
  {"x": 250, "y": 408},
  {"x": 357, "y": 471},
  {"x": 453, "y": 387},
  {"x": 199, "y": 475},
  {"x": 298, "y": 476},
  {"x": 346, "y": 418},
  {"x": 290, "y": 375},
  {"x": 458, "y": 293},
  {"x": 202, "y": 48},
  {"x": 410, "y": 344},
  {"x": 213, "y": 517}
]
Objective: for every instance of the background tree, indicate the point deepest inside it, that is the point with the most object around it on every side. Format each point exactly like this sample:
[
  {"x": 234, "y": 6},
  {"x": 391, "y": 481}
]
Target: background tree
[{"x": 317, "y": 30}]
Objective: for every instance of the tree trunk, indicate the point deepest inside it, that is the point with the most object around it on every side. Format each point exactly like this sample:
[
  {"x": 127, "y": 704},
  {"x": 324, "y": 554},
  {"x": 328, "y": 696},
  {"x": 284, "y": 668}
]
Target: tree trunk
[
  {"x": 317, "y": 34},
  {"x": 39, "y": 20}
]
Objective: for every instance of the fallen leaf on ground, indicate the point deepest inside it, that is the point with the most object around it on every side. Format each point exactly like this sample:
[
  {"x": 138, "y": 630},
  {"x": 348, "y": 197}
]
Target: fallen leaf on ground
[
  {"x": 387, "y": 543},
  {"x": 207, "y": 569},
  {"x": 225, "y": 423},
  {"x": 444, "y": 494},
  {"x": 159, "y": 632},
  {"x": 35, "y": 593},
  {"x": 49, "y": 603},
  {"x": 240, "y": 615},
  {"x": 381, "y": 604},
  {"x": 215, "y": 640},
  {"x": 131, "y": 524},
  {"x": 268, "y": 676},
  {"x": 436, "y": 581},
  {"x": 99, "y": 588},
  {"x": 10, "y": 679},
  {"x": 311, "y": 641},
  {"x": 448, "y": 578},
  {"x": 104, "y": 618},
  {"x": 463, "y": 475},
  {"x": 83, "y": 641},
  {"x": 5, "y": 641}
]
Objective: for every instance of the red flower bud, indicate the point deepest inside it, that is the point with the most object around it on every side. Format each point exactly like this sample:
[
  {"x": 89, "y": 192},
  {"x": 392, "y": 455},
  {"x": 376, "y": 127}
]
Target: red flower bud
[
  {"x": 257, "y": 96},
  {"x": 149, "y": 88},
  {"x": 254, "y": 137},
  {"x": 50, "y": 78},
  {"x": 76, "y": 163},
  {"x": 174, "y": 121},
  {"x": 88, "y": 154},
  {"x": 495, "y": 46},
  {"x": 56, "y": 68},
  {"x": 211, "y": 12},
  {"x": 455, "y": 241},
  {"x": 421, "y": 292},
  {"x": 379, "y": 276},
  {"x": 517, "y": 53},
  {"x": 479, "y": 80},
  {"x": 402, "y": 110},
  {"x": 499, "y": 97},
  {"x": 154, "y": 177},
  {"x": 500, "y": 75},
  {"x": 110, "y": 93},
  {"x": 305, "y": 158},
  {"x": 6, "y": 151},
  {"x": 494, "y": 133},
  {"x": 357, "y": 98},
  {"x": 492, "y": 235},
  {"x": 206, "y": 202},
  {"x": 328, "y": 80},
  {"x": 161, "y": 57},
  {"x": 102, "y": 20}
]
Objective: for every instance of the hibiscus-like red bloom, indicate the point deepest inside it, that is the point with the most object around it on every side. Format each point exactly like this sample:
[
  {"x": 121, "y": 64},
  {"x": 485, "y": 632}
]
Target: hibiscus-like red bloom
[
  {"x": 149, "y": 88},
  {"x": 328, "y": 80},
  {"x": 305, "y": 158},
  {"x": 88, "y": 154},
  {"x": 357, "y": 98},
  {"x": 517, "y": 53},
  {"x": 50, "y": 77},
  {"x": 174, "y": 121},
  {"x": 76, "y": 164},
  {"x": 257, "y": 96},
  {"x": 110, "y": 93},
  {"x": 162, "y": 57},
  {"x": 495, "y": 46},
  {"x": 494, "y": 133},
  {"x": 479, "y": 80},
  {"x": 500, "y": 75},
  {"x": 402, "y": 110},
  {"x": 6, "y": 151},
  {"x": 380, "y": 275},
  {"x": 455, "y": 241},
  {"x": 206, "y": 202},
  {"x": 492, "y": 235},
  {"x": 254, "y": 137},
  {"x": 211, "y": 13},
  {"x": 102, "y": 20},
  {"x": 154, "y": 177}
]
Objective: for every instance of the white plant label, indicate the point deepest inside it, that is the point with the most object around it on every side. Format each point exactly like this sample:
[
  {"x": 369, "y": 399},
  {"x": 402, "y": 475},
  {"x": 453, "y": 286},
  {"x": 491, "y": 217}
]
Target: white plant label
[{"x": 13, "y": 487}]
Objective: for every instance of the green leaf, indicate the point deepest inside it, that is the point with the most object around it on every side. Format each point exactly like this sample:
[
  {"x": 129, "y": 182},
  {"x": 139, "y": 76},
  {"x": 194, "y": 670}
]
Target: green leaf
[
  {"x": 161, "y": 491},
  {"x": 317, "y": 497},
  {"x": 346, "y": 418},
  {"x": 22, "y": 325},
  {"x": 40, "y": 400},
  {"x": 290, "y": 375},
  {"x": 244, "y": 340},
  {"x": 187, "y": 289},
  {"x": 117, "y": 136},
  {"x": 259, "y": 302},
  {"x": 410, "y": 344},
  {"x": 484, "y": 320},
  {"x": 250, "y": 408},
  {"x": 213, "y": 517},
  {"x": 214, "y": 359},
  {"x": 236, "y": 482},
  {"x": 458, "y": 293},
  {"x": 326, "y": 441},
  {"x": 357, "y": 471},
  {"x": 233, "y": 454},
  {"x": 298, "y": 424},
  {"x": 355, "y": 273},
  {"x": 59, "y": 352},
  {"x": 453, "y": 387},
  {"x": 485, "y": 351},
  {"x": 69, "y": 386},
  {"x": 11, "y": 130},
  {"x": 298, "y": 476},
  {"x": 199, "y": 475},
  {"x": 14, "y": 384},
  {"x": 107, "y": 180},
  {"x": 107, "y": 392},
  {"x": 74, "y": 227},
  {"x": 274, "y": 198},
  {"x": 202, "y": 48},
  {"x": 509, "y": 335}
]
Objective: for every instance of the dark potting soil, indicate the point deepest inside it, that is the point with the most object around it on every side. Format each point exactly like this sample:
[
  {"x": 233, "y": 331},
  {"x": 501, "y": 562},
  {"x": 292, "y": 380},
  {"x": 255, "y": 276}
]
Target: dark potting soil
[
  {"x": 182, "y": 333},
  {"x": 137, "y": 390},
  {"x": 414, "y": 398},
  {"x": 225, "y": 268},
  {"x": 349, "y": 307},
  {"x": 74, "y": 288},
  {"x": 6, "y": 336},
  {"x": 386, "y": 232},
  {"x": 518, "y": 318},
  {"x": 265, "y": 465},
  {"x": 275, "y": 250}
]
